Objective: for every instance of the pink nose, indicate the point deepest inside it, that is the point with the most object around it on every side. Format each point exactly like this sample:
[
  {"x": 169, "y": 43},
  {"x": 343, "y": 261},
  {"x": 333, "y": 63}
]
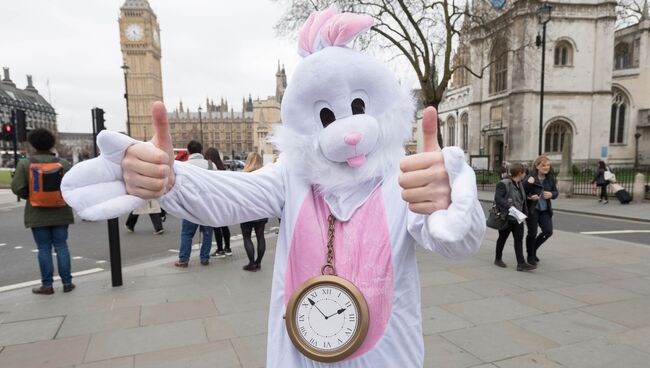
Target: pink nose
[{"x": 353, "y": 138}]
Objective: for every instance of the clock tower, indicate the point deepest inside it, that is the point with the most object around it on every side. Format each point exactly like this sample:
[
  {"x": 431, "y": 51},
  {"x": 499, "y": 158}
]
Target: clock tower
[{"x": 140, "y": 42}]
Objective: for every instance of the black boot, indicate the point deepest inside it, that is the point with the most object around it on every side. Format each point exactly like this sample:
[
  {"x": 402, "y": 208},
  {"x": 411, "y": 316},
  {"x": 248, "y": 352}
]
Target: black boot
[
  {"x": 500, "y": 263},
  {"x": 525, "y": 267}
]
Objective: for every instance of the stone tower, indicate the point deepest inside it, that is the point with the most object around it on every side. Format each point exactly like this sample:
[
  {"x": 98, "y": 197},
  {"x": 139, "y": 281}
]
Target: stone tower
[{"x": 140, "y": 43}]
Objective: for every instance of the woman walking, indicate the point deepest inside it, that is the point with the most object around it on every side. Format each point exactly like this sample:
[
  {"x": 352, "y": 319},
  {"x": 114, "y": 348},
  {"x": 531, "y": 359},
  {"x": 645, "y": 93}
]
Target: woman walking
[
  {"x": 540, "y": 190},
  {"x": 253, "y": 162},
  {"x": 222, "y": 233},
  {"x": 510, "y": 193},
  {"x": 601, "y": 182}
]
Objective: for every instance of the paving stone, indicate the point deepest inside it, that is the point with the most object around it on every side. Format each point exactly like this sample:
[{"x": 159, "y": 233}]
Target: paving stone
[
  {"x": 611, "y": 273},
  {"x": 236, "y": 325},
  {"x": 446, "y": 294},
  {"x": 637, "y": 338},
  {"x": 497, "y": 341},
  {"x": 633, "y": 313},
  {"x": 125, "y": 362},
  {"x": 599, "y": 353},
  {"x": 576, "y": 276},
  {"x": 57, "y": 305},
  {"x": 547, "y": 301},
  {"x": 137, "y": 297},
  {"x": 177, "y": 311},
  {"x": 475, "y": 273},
  {"x": 439, "y": 278},
  {"x": 568, "y": 327},
  {"x": 251, "y": 350},
  {"x": 133, "y": 341},
  {"x": 219, "y": 354},
  {"x": 13, "y": 333},
  {"x": 535, "y": 360},
  {"x": 639, "y": 285},
  {"x": 570, "y": 262},
  {"x": 90, "y": 323},
  {"x": 435, "y": 319},
  {"x": 492, "y": 287},
  {"x": 595, "y": 293},
  {"x": 533, "y": 280},
  {"x": 441, "y": 353},
  {"x": 45, "y": 354},
  {"x": 490, "y": 310},
  {"x": 242, "y": 301}
]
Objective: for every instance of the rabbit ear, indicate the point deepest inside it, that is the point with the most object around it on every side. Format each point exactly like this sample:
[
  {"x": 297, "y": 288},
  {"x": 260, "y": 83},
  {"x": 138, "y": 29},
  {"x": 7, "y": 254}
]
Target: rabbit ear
[{"x": 328, "y": 28}]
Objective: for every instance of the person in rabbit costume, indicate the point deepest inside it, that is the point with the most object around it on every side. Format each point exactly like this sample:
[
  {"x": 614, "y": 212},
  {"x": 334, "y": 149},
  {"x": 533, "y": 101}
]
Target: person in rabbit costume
[{"x": 344, "y": 122}]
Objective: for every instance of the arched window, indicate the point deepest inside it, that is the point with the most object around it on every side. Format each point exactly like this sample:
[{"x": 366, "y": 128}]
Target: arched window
[
  {"x": 618, "y": 117},
  {"x": 499, "y": 67},
  {"x": 563, "y": 54},
  {"x": 451, "y": 131},
  {"x": 622, "y": 56},
  {"x": 464, "y": 122},
  {"x": 554, "y": 137}
]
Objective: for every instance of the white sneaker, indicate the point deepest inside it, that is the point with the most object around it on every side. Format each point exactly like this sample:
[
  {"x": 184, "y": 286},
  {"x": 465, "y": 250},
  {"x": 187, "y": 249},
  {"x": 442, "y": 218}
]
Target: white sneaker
[{"x": 128, "y": 229}]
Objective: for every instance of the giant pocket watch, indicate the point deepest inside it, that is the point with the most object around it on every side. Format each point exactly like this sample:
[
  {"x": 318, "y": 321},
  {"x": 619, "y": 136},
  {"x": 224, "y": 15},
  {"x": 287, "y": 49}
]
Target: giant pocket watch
[{"x": 327, "y": 316}]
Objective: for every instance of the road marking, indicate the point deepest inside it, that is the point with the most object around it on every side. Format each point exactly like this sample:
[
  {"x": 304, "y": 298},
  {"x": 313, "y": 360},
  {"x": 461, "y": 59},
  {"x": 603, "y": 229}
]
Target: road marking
[
  {"x": 174, "y": 250},
  {"x": 615, "y": 232},
  {"x": 38, "y": 282},
  {"x": 3, "y": 244},
  {"x": 34, "y": 250},
  {"x": 77, "y": 257},
  {"x": 18, "y": 247},
  {"x": 100, "y": 262}
]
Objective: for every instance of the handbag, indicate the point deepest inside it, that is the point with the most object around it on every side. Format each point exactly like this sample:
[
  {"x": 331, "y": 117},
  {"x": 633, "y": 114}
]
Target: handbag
[
  {"x": 497, "y": 219},
  {"x": 609, "y": 176}
]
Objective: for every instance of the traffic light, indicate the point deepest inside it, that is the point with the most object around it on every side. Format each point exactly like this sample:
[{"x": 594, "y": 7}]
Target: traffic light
[
  {"x": 7, "y": 132},
  {"x": 21, "y": 125},
  {"x": 98, "y": 119}
]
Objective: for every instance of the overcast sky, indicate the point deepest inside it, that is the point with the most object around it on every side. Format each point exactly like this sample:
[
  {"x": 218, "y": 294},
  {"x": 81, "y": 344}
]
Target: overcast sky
[{"x": 209, "y": 49}]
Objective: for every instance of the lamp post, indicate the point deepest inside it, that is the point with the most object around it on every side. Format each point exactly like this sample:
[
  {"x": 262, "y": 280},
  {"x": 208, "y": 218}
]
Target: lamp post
[
  {"x": 543, "y": 17},
  {"x": 637, "y": 135},
  {"x": 232, "y": 149},
  {"x": 125, "y": 69},
  {"x": 201, "y": 125}
]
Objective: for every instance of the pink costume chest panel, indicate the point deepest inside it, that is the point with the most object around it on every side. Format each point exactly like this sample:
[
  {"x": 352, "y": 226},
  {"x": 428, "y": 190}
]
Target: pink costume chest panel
[{"x": 362, "y": 255}]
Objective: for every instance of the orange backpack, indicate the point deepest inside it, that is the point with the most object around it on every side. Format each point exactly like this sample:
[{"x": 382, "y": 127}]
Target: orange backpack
[{"x": 45, "y": 183}]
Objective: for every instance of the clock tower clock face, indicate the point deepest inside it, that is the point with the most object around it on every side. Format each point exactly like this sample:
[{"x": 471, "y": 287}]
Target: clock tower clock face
[
  {"x": 134, "y": 32},
  {"x": 327, "y": 318},
  {"x": 498, "y": 4}
]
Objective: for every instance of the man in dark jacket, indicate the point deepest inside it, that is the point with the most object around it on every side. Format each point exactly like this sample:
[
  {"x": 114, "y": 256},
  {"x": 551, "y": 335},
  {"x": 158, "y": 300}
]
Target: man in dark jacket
[{"x": 49, "y": 224}]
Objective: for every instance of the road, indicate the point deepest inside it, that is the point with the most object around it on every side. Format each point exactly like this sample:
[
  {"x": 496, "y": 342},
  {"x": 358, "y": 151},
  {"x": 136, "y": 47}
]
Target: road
[{"x": 88, "y": 243}]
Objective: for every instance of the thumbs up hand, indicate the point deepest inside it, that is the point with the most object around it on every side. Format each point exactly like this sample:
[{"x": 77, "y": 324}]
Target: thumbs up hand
[
  {"x": 424, "y": 178},
  {"x": 147, "y": 167}
]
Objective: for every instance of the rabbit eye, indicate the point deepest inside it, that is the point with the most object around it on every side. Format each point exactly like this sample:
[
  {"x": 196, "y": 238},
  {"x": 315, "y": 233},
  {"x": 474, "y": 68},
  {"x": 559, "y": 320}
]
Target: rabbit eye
[
  {"x": 327, "y": 117},
  {"x": 358, "y": 106}
]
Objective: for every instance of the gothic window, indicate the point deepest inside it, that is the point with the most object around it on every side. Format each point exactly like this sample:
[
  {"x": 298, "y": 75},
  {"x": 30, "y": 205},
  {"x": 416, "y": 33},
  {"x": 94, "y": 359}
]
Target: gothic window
[
  {"x": 622, "y": 56},
  {"x": 451, "y": 131},
  {"x": 465, "y": 124},
  {"x": 636, "y": 52},
  {"x": 499, "y": 67},
  {"x": 617, "y": 118},
  {"x": 563, "y": 54},
  {"x": 554, "y": 137}
]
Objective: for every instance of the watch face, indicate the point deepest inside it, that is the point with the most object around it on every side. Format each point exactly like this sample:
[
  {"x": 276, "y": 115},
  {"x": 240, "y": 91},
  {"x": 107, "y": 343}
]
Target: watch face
[
  {"x": 134, "y": 32},
  {"x": 327, "y": 317}
]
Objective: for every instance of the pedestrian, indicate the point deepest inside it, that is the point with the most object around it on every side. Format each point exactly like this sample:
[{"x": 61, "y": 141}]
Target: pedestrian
[
  {"x": 540, "y": 190},
  {"x": 253, "y": 162},
  {"x": 222, "y": 233},
  {"x": 510, "y": 193},
  {"x": 38, "y": 180},
  {"x": 600, "y": 182},
  {"x": 151, "y": 208},
  {"x": 188, "y": 228}
]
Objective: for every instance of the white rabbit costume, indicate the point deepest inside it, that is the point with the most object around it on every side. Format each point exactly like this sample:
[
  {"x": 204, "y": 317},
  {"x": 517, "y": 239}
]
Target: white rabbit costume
[{"x": 345, "y": 120}]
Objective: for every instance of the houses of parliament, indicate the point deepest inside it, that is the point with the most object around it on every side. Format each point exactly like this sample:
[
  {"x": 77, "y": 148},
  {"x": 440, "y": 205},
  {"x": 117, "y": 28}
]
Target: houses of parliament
[{"x": 232, "y": 131}]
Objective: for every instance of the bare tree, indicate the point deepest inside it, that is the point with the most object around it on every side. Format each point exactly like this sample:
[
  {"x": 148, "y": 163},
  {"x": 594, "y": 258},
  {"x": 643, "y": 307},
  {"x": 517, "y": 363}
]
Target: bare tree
[{"x": 629, "y": 12}]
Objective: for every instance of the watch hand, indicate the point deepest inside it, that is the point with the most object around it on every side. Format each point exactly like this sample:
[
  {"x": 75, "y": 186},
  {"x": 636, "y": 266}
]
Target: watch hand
[
  {"x": 314, "y": 304},
  {"x": 337, "y": 312}
]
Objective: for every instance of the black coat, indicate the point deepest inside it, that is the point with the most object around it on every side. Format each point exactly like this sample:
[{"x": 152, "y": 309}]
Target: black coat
[
  {"x": 506, "y": 189},
  {"x": 537, "y": 188}
]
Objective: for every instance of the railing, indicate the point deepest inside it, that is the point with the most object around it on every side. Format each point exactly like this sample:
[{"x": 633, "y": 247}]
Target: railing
[{"x": 582, "y": 177}]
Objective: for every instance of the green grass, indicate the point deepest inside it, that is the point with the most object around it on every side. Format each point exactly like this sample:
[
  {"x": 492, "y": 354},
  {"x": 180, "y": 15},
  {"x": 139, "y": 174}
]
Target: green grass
[{"x": 5, "y": 178}]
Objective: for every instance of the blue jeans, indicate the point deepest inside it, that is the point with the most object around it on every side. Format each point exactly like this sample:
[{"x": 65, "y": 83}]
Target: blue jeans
[
  {"x": 188, "y": 230},
  {"x": 45, "y": 237}
]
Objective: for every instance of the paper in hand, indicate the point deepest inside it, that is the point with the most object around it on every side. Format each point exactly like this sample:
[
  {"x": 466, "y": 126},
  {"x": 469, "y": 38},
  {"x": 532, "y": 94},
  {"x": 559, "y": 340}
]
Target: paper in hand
[{"x": 518, "y": 215}]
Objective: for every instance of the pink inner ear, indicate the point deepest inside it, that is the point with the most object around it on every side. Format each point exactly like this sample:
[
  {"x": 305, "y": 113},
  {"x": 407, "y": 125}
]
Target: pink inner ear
[
  {"x": 344, "y": 27},
  {"x": 311, "y": 28}
]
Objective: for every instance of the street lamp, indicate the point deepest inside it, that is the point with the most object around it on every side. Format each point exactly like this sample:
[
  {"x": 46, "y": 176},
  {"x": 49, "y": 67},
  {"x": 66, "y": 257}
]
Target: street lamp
[
  {"x": 543, "y": 17},
  {"x": 125, "y": 68},
  {"x": 637, "y": 135},
  {"x": 201, "y": 125},
  {"x": 232, "y": 149}
]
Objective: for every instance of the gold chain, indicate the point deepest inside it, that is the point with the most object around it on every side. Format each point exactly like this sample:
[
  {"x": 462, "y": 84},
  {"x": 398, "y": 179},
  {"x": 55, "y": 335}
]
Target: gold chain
[{"x": 330, "y": 247}]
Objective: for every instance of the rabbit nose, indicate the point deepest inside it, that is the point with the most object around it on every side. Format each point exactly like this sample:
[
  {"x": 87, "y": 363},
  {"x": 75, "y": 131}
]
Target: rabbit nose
[{"x": 353, "y": 138}]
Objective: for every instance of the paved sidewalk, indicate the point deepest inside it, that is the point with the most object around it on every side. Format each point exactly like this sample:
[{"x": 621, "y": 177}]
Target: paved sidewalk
[{"x": 586, "y": 306}]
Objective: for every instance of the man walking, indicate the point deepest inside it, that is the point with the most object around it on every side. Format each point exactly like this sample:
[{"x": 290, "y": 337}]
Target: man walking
[{"x": 189, "y": 228}]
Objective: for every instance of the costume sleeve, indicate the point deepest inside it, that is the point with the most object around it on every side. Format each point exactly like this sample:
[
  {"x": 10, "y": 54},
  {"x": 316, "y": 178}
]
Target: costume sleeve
[
  {"x": 221, "y": 198},
  {"x": 457, "y": 231}
]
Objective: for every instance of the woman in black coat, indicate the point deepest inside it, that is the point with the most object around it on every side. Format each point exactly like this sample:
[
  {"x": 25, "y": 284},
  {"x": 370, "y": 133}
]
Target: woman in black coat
[
  {"x": 599, "y": 181},
  {"x": 510, "y": 193},
  {"x": 540, "y": 190}
]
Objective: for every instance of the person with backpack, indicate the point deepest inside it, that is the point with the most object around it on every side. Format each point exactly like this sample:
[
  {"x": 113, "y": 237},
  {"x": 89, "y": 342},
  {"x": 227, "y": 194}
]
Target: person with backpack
[
  {"x": 38, "y": 181},
  {"x": 188, "y": 228}
]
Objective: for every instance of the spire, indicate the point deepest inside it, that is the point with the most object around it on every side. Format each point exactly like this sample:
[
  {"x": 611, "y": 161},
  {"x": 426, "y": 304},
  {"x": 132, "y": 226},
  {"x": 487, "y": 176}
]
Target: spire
[
  {"x": 30, "y": 86},
  {"x": 7, "y": 79},
  {"x": 644, "y": 13}
]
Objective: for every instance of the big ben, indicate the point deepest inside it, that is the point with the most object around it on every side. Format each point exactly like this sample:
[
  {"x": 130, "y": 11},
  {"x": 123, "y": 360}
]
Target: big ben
[{"x": 140, "y": 41}]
